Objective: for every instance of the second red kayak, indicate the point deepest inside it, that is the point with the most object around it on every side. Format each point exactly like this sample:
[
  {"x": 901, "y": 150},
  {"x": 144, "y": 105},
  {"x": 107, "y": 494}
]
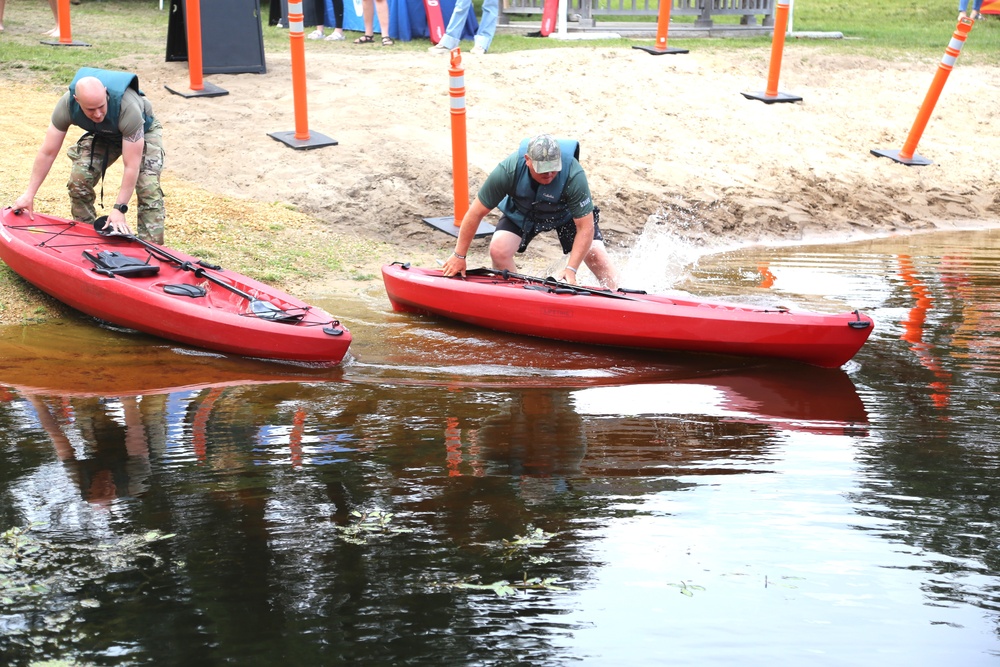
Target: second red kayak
[{"x": 546, "y": 309}]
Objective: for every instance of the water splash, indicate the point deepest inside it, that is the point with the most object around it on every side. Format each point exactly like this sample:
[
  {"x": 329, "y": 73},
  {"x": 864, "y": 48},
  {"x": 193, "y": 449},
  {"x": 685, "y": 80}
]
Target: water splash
[{"x": 664, "y": 254}]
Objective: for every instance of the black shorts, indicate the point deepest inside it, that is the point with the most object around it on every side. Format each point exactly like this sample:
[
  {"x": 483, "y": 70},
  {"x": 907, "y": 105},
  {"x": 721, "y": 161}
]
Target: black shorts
[{"x": 565, "y": 231}]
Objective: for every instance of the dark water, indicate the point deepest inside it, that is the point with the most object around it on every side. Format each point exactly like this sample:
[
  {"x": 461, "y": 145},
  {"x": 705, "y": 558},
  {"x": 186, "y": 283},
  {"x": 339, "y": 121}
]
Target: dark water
[{"x": 452, "y": 496}]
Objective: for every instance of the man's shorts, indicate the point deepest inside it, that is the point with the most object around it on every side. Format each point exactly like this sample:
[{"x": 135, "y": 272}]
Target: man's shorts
[{"x": 565, "y": 231}]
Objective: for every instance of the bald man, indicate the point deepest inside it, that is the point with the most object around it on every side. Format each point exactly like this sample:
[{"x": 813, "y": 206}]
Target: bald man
[{"x": 118, "y": 121}]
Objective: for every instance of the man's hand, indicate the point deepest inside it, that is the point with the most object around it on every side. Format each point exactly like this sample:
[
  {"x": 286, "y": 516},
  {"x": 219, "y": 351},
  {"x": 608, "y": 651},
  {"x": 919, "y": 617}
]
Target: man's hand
[
  {"x": 25, "y": 203},
  {"x": 455, "y": 265},
  {"x": 567, "y": 276},
  {"x": 116, "y": 224}
]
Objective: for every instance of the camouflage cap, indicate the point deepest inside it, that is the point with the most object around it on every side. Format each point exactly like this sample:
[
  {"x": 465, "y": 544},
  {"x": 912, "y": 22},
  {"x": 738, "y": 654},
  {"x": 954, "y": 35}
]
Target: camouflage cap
[{"x": 545, "y": 154}]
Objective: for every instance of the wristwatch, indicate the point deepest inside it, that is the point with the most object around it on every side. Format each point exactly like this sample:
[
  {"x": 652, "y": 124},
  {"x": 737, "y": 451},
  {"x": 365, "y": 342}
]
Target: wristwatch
[{"x": 121, "y": 207}]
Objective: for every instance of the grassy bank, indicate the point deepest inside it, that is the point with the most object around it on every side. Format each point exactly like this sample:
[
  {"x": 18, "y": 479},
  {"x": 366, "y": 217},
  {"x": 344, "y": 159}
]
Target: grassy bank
[{"x": 121, "y": 30}]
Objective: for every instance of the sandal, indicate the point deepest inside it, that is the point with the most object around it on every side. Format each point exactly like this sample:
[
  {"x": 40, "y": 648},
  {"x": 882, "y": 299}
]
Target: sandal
[
  {"x": 387, "y": 41},
  {"x": 365, "y": 39}
]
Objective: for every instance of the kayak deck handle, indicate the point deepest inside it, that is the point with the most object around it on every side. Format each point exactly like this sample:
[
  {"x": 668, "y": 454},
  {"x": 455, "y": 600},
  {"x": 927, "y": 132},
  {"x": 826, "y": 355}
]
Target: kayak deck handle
[{"x": 859, "y": 323}]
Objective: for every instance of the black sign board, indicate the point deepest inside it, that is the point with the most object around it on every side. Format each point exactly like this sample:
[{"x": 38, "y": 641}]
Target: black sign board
[{"x": 232, "y": 41}]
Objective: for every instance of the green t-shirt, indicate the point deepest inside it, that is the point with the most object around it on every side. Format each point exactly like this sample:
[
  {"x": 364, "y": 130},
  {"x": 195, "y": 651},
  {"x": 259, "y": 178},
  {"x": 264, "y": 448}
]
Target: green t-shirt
[
  {"x": 130, "y": 120},
  {"x": 502, "y": 181}
]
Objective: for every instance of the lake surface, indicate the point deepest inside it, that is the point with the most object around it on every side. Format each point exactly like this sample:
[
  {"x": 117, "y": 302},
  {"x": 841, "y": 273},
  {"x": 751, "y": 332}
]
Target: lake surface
[{"x": 455, "y": 496}]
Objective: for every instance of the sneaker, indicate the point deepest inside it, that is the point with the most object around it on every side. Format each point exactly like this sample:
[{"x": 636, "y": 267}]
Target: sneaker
[
  {"x": 316, "y": 34},
  {"x": 335, "y": 37},
  {"x": 477, "y": 51},
  {"x": 439, "y": 48}
]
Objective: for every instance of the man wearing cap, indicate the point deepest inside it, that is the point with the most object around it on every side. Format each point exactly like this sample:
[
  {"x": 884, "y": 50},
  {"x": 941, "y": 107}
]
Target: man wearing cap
[
  {"x": 538, "y": 188},
  {"x": 118, "y": 121}
]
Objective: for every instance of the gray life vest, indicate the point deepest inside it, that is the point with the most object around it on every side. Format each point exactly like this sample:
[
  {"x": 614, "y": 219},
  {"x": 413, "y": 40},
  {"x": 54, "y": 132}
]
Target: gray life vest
[{"x": 543, "y": 208}]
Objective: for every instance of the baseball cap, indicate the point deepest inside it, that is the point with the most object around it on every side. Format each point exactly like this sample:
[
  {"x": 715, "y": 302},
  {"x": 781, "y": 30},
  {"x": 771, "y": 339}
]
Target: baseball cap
[{"x": 545, "y": 153}]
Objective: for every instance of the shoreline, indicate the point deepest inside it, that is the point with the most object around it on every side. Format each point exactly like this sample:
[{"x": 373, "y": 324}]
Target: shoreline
[{"x": 667, "y": 142}]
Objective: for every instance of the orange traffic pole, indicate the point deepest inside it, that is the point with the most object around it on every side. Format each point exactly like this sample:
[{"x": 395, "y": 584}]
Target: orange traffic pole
[
  {"x": 459, "y": 152},
  {"x": 65, "y": 30},
  {"x": 296, "y": 35},
  {"x": 907, "y": 154},
  {"x": 197, "y": 87},
  {"x": 193, "y": 15},
  {"x": 301, "y": 137},
  {"x": 662, "y": 25},
  {"x": 459, "y": 149},
  {"x": 771, "y": 95}
]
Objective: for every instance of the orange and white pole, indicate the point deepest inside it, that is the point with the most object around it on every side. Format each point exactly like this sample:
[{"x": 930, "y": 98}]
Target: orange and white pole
[
  {"x": 662, "y": 26},
  {"x": 296, "y": 37},
  {"x": 301, "y": 137},
  {"x": 459, "y": 153},
  {"x": 907, "y": 155},
  {"x": 771, "y": 94},
  {"x": 459, "y": 146}
]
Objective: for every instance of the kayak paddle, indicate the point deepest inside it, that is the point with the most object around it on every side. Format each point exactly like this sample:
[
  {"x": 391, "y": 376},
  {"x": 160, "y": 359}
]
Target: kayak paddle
[
  {"x": 265, "y": 310},
  {"x": 553, "y": 283}
]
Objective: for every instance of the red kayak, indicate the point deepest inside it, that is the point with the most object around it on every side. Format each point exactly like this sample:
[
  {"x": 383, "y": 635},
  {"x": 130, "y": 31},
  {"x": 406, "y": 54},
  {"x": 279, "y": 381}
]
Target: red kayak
[
  {"x": 139, "y": 285},
  {"x": 545, "y": 308}
]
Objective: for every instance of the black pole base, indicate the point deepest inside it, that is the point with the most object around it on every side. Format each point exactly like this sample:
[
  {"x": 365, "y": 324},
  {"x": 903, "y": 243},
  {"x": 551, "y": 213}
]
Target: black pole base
[
  {"x": 771, "y": 99},
  {"x": 49, "y": 42},
  {"x": 915, "y": 161},
  {"x": 448, "y": 226},
  {"x": 659, "y": 52},
  {"x": 208, "y": 90},
  {"x": 315, "y": 140}
]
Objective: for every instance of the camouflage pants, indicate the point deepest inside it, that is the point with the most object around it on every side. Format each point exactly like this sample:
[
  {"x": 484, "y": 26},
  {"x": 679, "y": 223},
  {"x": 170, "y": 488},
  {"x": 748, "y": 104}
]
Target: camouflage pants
[{"x": 89, "y": 161}]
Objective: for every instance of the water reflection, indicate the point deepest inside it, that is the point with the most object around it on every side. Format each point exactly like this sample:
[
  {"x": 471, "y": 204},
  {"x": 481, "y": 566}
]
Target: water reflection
[
  {"x": 103, "y": 444},
  {"x": 913, "y": 332},
  {"x": 642, "y": 509}
]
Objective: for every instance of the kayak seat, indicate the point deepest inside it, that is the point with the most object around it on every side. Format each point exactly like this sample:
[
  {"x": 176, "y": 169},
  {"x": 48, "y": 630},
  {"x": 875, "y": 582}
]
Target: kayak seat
[
  {"x": 113, "y": 263},
  {"x": 185, "y": 289}
]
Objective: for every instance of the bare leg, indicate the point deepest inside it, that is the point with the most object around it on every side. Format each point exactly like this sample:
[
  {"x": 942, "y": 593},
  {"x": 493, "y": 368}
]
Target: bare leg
[
  {"x": 3, "y": 4},
  {"x": 382, "y": 7},
  {"x": 503, "y": 245},
  {"x": 368, "y": 14},
  {"x": 597, "y": 260},
  {"x": 54, "y": 6}
]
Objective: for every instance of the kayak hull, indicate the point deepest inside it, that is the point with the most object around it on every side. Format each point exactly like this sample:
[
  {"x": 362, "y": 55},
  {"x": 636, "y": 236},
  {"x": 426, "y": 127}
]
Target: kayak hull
[
  {"x": 48, "y": 252},
  {"x": 642, "y": 321}
]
